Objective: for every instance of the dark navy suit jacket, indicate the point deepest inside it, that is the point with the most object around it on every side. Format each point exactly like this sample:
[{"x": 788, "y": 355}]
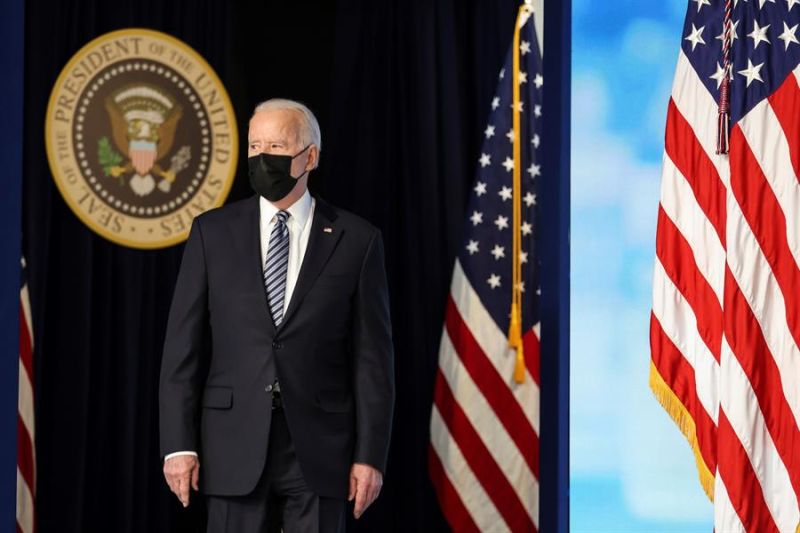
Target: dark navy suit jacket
[{"x": 332, "y": 353}]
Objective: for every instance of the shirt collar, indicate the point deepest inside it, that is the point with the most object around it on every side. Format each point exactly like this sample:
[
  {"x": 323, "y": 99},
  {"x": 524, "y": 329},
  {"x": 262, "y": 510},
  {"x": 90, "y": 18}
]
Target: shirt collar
[{"x": 299, "y": 210}]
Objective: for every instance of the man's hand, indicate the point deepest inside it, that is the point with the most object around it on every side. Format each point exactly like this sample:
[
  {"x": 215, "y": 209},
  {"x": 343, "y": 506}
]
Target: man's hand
[
  {"x": 365, "y": 485},
  {"x": 182, "y": 471}
]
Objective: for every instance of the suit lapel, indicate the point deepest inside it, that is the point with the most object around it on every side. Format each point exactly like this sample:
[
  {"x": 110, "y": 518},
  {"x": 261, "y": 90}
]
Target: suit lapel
[
  {"x": 321, "y": 242},
  {"x": 251, "y": 255}
]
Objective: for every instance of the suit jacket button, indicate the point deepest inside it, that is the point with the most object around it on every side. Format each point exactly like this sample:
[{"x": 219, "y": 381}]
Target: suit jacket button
[
  {"x": 268, "y": 388},
  {"x": 277, "y": 345}
]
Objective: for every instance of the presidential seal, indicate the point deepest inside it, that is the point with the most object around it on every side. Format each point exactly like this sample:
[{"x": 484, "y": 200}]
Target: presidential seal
[{"x": 141, "y": 137}]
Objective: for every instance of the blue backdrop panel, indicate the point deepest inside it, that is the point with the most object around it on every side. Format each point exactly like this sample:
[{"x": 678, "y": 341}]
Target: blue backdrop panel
[
  {"x": 11, "y": 32},
  {"x": 554, "y": 192}
]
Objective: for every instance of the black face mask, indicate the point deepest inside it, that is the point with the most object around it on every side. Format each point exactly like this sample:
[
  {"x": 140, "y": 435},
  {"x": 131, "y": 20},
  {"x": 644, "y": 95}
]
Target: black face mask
[{"x": 270, "y": 174}]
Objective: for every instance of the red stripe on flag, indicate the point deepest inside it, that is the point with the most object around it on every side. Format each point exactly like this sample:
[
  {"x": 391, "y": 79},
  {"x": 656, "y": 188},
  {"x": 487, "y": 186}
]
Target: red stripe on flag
[
  {"x": 692, "y": 161},
  {"x": 764, "y": 215},
  {"x": 678, "y": 261},
  {"x": 25, "y": 344},
  {"x": 746, "y": 340},
  {"x": 25, "y": 454},
  {"x": 678, "y": 374},
  {"x": 785, "y": 102},
  {"x": 26, "y": 465},
  {"x": 531, "y": 346},
  {"x": 493, "y": 386},
  {"x": 480, "y": 459},
  {"x": 743, "y": 488},
  {"x": 453, "y": 508}
]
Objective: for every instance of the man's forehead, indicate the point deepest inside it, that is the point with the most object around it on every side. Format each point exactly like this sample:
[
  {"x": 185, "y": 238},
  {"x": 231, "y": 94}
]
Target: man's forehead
[{"x": 285, "y": 121}]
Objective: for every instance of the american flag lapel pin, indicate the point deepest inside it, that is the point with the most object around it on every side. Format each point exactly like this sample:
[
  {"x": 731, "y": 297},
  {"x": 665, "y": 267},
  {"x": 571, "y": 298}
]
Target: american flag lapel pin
[{"x": 327, "y": 229}]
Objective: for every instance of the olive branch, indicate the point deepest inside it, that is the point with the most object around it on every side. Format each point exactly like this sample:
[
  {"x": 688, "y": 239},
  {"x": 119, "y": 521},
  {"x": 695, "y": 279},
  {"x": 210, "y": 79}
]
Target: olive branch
[{"x": 108, "y": 158}]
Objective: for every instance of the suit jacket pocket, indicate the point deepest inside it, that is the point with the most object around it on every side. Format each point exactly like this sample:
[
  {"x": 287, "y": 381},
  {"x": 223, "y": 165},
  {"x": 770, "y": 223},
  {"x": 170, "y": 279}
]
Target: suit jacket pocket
[
  {"x": 218, "y": 397},
  {"x": 334, "y": 402}
]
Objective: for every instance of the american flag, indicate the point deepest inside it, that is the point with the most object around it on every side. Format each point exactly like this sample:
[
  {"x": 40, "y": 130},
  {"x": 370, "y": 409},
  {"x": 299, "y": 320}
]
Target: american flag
[
  {"x": 484, "y": 449},
  {"x": 725, "y": 326},
  {"x": 26, "y": 457}
]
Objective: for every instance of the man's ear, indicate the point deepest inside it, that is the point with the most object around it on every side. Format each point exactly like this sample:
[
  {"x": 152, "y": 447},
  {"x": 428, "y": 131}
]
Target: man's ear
[{"x": 313, "y": 158}]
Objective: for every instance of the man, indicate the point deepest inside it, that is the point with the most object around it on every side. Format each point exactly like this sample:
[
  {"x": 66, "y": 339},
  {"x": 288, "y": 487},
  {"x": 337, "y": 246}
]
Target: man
[{"x": 277, "y": 375}]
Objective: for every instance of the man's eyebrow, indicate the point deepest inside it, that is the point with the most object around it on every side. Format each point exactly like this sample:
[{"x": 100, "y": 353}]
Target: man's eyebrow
[{"x": 267, "y": 141}]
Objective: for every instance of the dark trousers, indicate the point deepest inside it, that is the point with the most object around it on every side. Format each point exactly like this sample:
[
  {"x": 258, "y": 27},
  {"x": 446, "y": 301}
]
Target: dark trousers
[{"x": 281, "y": 501}]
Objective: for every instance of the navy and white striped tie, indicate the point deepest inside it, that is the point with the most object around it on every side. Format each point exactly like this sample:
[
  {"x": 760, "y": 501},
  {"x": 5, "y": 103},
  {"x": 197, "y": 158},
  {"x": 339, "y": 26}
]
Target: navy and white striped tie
[{"x": 276, "y": 266}]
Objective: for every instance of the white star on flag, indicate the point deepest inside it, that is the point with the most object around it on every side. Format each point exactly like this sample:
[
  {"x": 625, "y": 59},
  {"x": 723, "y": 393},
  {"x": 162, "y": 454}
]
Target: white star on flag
[
  {"x": 791, "y": 4},
  {"x": 498, "y": 252},
  {"x": 695, "y": 36},
  {"x": 758, "y": 34},
  {"x": 537, "y": 110},
  {"x": 505, "y": 193},
  {"x": 489, "y": 131},
  {"x": 476, "y": 218},
  {"x": 472, "y": 247},
  {"x": 535, "y": 141},
  {"x": 501, "y": 222},
  {"x": 762, "y": 2},
  {"x": 480, "y": 188},
  {"x": 538, "y": 80},
  {"x": 495, "y": 102},
  {"x": 485, "y": 160},
  {"x": 525, "y": 47},
  {"x": 718, "y": 75},
  {"x": 523, "y": 257},
  {"x": 789, "y": 35},
  {"x": 523, "y": 77},
  {"x": 529, "y": 199},
  {"x": 534, "y": 170},
  {"x": 527, "y": 228},
  {"x": 734, "y": 36},
  {"x": 509, "y": 164},
  {"x": 493, "y": 281},
  {"x": 752, "y": 72},
  {"x": 701, "y": 3},
  {"x": 510, "y": 135}
]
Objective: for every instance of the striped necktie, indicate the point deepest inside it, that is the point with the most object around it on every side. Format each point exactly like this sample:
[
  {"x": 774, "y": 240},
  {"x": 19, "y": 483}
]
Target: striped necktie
[{"x": 276, "y": 266}]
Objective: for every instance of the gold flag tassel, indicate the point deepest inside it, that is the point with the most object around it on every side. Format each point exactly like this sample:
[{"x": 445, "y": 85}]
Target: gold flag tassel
[
  {"x": 515, "y": 326},
  {"x": 515, "y": 341}
]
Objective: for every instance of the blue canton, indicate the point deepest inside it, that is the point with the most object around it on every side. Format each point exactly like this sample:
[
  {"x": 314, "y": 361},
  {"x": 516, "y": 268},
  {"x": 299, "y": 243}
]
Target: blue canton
[{"x": 765, "y": 51}]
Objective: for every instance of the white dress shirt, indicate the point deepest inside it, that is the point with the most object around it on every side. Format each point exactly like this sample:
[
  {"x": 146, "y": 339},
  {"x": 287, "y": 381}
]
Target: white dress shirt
[{"x": 301, "y": 213}]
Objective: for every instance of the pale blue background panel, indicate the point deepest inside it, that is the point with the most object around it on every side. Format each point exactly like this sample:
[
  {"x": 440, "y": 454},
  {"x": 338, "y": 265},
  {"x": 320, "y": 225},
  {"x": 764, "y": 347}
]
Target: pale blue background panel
[{"x": 630, "y": 468}]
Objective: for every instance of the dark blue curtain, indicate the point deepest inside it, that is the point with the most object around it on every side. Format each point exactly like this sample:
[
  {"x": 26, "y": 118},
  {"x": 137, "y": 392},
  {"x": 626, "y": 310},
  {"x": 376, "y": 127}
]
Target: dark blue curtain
[{"x": 402, "y": 91}]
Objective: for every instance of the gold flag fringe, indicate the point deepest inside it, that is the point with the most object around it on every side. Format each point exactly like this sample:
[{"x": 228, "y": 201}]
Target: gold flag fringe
[{"x": 678, "y": 412}]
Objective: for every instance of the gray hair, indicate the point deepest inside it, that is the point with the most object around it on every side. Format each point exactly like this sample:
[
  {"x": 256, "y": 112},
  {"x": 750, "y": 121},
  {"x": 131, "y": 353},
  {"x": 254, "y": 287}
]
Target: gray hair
[{"x": 309, "y": 131}]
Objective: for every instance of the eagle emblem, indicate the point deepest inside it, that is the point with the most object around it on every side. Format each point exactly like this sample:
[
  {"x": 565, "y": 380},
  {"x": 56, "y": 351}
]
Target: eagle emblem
[{"x": 143, "y": 123}]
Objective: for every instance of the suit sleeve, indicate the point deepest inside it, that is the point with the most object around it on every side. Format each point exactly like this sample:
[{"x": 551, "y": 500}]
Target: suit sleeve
[
  {"x": 373, "y": 360},
  {"x": 186, "y": 349}
]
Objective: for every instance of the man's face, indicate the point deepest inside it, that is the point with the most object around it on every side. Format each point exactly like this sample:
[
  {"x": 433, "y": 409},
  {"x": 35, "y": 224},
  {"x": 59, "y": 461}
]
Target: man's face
[{"x": 276, "y": 131}]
